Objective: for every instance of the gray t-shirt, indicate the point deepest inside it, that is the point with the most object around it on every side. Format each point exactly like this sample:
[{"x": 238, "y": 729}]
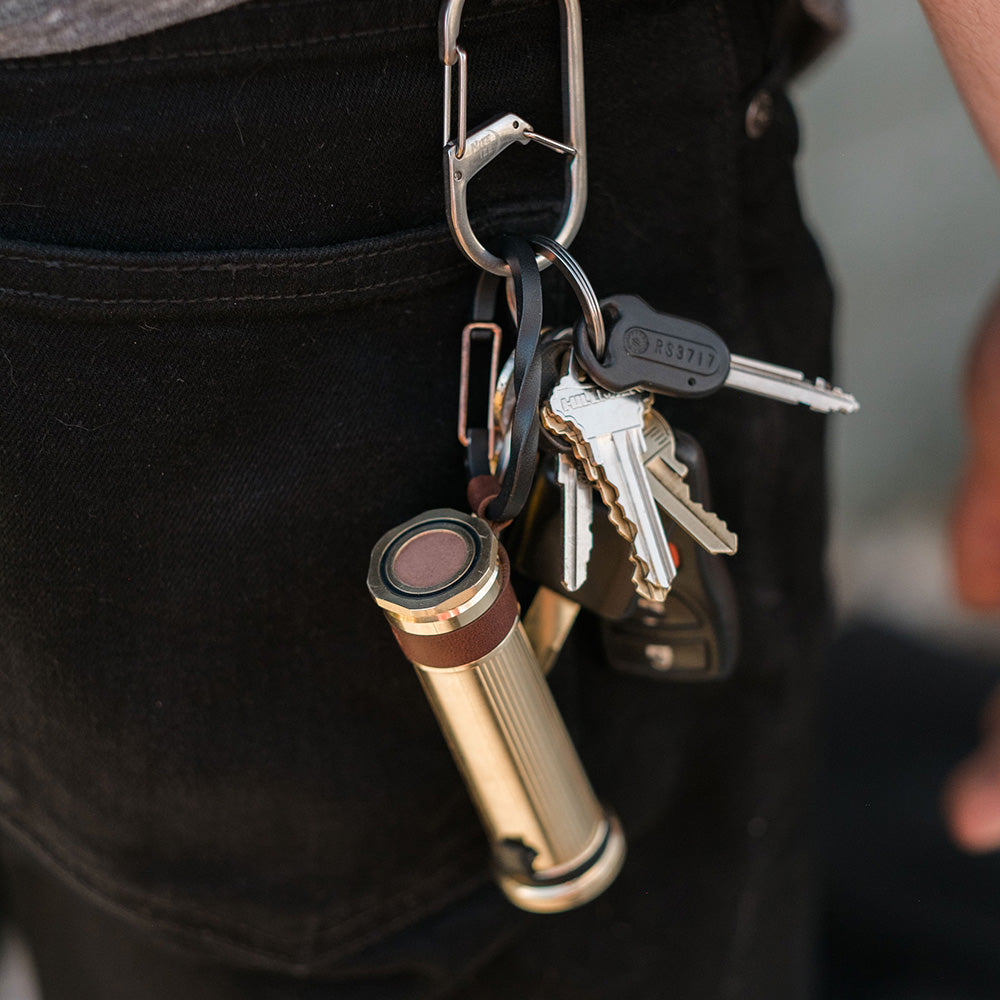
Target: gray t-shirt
[{"x": 42, "y": 27}]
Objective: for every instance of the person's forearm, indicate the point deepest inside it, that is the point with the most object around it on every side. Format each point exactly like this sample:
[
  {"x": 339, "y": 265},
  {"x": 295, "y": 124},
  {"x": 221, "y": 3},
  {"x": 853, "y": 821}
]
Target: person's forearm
[{"x": 968, "y": 33}]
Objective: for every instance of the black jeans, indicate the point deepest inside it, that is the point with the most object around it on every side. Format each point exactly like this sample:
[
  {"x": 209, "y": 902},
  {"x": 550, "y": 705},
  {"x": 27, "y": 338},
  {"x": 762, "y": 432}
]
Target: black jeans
[{"x": 230, "y": 336}]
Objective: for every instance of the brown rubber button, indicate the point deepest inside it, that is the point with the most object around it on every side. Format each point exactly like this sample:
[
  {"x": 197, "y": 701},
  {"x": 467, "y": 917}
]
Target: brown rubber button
[{"x": 432, "y": 559}]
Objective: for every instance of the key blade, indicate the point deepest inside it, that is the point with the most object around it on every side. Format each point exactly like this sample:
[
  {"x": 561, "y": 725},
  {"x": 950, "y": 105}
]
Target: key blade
[
  {"x": 659, "y": 438},
  {"x": 584, "y": 532},
  {"x": 623, "y": 468},
  {"x": 578, "y": 514},
  {"x": 667, "y": 479},
  {"x": 547, "y": 624},
  {"x": 624, "y": 524},
  {"x": 674, "y": 496},
  {"x": 605, "y": 432},
  {"x": 787, "y": 386}
]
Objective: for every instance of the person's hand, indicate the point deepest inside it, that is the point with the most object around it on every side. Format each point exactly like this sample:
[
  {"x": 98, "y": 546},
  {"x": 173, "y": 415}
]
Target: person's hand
[
  {"x": 972, "y": 793},
  {"x": 968, "y": 33},
  {"x": 976, "y": 524}
]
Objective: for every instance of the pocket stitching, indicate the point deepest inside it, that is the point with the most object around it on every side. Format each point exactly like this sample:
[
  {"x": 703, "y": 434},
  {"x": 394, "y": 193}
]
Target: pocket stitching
[
  {"x": 47, "y": 62},
  {"x": 322, "y": 293},
  {"x": 216, "y": 268}
]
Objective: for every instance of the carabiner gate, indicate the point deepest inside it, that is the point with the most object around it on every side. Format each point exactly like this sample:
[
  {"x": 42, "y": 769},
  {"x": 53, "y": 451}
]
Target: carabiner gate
[{"x": 467, "y": 153}]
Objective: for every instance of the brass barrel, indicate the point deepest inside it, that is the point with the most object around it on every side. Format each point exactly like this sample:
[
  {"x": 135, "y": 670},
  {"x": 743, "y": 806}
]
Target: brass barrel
[{"x": 443, "y": 581}]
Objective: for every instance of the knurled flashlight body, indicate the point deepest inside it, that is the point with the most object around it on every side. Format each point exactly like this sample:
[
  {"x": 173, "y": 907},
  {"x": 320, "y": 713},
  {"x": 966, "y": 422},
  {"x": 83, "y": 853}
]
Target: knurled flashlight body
[{"x": 443, "y": 581}]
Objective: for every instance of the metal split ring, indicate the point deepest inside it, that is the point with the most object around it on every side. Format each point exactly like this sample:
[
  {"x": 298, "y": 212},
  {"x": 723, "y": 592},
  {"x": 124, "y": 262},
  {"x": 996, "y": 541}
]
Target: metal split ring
[{"x": 580, "y": 283}]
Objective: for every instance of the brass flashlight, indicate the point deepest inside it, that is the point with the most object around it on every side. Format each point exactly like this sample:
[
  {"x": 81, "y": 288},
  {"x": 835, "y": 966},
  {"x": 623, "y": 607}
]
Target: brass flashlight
[{"x": 443, "y": 581}]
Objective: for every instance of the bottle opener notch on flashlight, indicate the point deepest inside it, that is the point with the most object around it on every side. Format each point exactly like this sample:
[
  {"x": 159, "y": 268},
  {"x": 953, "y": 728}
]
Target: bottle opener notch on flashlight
[{"x": 443, "y": 582}]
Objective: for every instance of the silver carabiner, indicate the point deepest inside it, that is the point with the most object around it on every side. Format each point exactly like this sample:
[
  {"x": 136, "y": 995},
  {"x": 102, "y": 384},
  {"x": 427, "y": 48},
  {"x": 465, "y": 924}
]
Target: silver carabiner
[{"x": 467, "y": 153}]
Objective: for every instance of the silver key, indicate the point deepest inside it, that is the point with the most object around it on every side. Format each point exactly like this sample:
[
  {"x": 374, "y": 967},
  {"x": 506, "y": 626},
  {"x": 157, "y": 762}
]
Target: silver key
[
  {"x": 606, "y": 432},
  {"x": 667, "y": 476},
  {"x": 787, "y": 385},
  {"x": 577, "y": 517}
]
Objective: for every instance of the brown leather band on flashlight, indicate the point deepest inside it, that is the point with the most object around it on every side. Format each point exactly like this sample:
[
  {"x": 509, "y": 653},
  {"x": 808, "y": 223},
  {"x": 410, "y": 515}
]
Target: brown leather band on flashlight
[{"x": 472, "y": 642}]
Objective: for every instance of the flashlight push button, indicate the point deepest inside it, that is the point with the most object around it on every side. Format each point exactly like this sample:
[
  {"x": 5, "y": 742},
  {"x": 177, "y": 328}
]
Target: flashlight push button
[
  {"x": 430, "y": 559},
  {"x": 436, "y": 573}
]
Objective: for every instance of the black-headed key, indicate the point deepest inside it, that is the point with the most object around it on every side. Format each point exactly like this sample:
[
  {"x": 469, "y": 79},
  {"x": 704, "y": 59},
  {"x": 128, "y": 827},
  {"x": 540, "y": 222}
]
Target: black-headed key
[{"x": 665, "y": 354}]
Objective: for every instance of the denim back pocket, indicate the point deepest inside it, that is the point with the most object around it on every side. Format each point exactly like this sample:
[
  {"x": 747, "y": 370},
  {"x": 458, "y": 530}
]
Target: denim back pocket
[
  {"x": 230, "y": 317},
  {"x": 229, "y": 324}
]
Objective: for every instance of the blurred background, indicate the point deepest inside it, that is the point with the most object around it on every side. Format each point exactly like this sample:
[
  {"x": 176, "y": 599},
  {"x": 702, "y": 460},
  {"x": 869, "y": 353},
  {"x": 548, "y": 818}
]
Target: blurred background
[
  {"x": 907, "y": 208},
  {"x": 905, "y": 204}
]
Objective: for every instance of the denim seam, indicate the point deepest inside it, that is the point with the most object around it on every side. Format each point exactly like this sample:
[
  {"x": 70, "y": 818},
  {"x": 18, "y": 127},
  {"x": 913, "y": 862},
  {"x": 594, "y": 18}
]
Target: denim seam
[
  {"x": 323, "y": 293},
  {"x": 294, "y": 44},
  {"x": 280, "y": 947},
  {"x": 368, "y": 904},
  {"x": 395, "y": 917},
  {"x": 71, "y": 265},
  {"x": 340, "y": 256}
]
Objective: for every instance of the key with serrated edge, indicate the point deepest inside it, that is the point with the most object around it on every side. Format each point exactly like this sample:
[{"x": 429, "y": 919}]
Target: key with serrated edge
[
  {"x": 657, "y": 352},
  {"x": 644, "y": 580},
  {"x": 535, "y": 542},
  {"x": 668, "y": 482},
  {"x": 606, "y": 432},
  {"x": 694, "y": 634},
  {"x": 577, "y": 516}
]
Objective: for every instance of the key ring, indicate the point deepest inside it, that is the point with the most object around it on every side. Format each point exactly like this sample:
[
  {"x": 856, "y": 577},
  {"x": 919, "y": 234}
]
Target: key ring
[
  {"x": 590, "y": 331},
  {"x": 519, "y": 474},
  {"x": 510, "y": 384},
  {"x": 590, "y": 328},
  {"x": 580, "y": 283},
  {"x": 571, "y": 270}
]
